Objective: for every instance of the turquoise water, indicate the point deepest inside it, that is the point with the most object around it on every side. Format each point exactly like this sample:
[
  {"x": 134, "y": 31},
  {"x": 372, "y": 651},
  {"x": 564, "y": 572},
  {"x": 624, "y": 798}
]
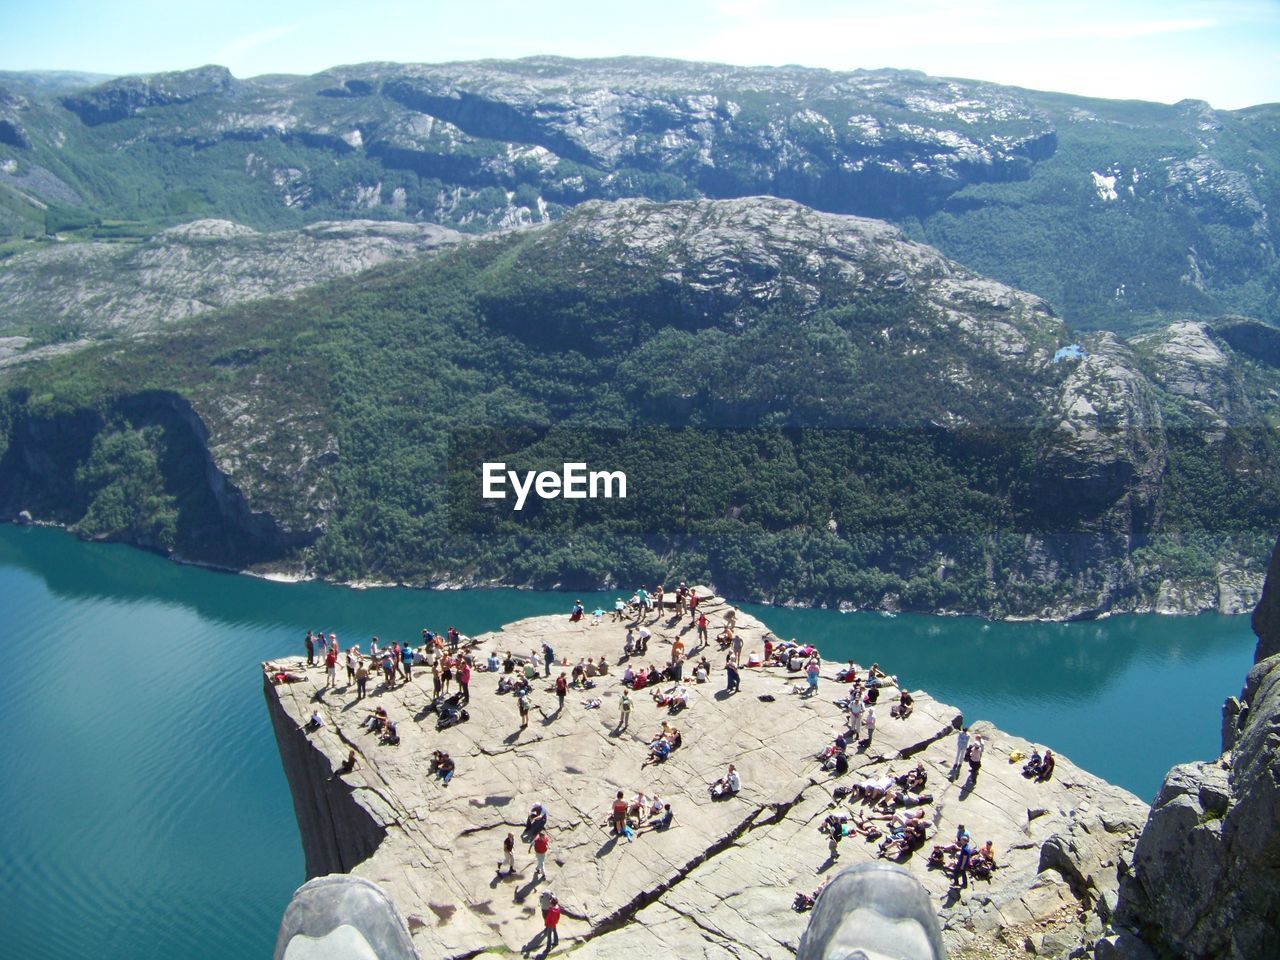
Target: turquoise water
[{"x": 145, "y": 812}]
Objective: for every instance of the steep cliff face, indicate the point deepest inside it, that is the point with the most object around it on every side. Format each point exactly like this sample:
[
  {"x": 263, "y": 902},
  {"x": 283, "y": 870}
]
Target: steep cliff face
[
  {"x": 1266, "y": 616},
  {"x": 337, "y": 831},
  {"x": 1206, "y": 879},
  {"x": 138, "y": 468}
]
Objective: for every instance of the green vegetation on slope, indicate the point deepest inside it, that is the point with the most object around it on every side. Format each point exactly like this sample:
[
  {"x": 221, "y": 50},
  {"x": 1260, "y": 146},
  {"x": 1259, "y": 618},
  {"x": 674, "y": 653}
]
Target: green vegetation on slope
[{"x": 780, "y": 449}]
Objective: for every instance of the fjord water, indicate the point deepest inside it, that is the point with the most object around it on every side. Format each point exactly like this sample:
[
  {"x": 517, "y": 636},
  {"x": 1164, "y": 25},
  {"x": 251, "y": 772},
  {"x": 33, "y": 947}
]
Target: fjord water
[{"x": 145, "y": 814}]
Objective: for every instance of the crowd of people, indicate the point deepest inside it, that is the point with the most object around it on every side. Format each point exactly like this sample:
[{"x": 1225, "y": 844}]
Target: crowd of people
[{"x": 884, "y": 807}]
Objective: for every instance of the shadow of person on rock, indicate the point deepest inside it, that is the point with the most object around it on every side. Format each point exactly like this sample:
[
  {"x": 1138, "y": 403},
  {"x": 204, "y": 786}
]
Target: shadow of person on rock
[
  {"x": 951, "y": 898},
  {"x": 968, "y": 787},
  {"x": 607, "y": 846},
  {"x": 511, "y": 738},
  {"x": 723, "y": 694},
  {"x": 522, "y": 894}
]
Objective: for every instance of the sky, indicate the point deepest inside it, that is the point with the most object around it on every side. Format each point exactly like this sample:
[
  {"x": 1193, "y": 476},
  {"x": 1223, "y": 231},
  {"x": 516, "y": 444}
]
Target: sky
[{"x": 1223, "y": 51}]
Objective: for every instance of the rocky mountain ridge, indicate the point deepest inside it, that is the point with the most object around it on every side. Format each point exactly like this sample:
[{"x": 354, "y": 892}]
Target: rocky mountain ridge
[{"x": 1046, "y": 192}]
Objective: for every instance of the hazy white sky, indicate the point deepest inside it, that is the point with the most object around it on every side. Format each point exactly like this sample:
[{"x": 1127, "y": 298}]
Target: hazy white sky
[{"x": 1223, "y": 51}]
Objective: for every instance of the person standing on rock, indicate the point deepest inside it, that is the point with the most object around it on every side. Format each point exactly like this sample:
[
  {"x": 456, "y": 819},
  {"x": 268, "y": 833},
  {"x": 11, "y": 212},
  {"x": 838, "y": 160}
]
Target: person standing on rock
[
  {"x": 508, "y": 861},
  {"x": 870, "y": 721},
  {"x": 562, "y": 688},
  {"x": 974, "y": 756},
  {"x": 856, "y": 708},
  {"x": 464, "y": 679},
  {"x": 362, "y": 677},
  {"x": 311, "y": 649},
  {"x": 734, "y": 683},
  {"x": 548, "y": 658},
  {"x": 331, "y": 668},
  {"x": 547, "y": 936},
  {"x": 619, "y": 813},
  {"x": 624, "y": 708},
  {"x": 962, "y": 750},
  {"x": 812, "y": 670},
  {"x": 523, "y": 704},
  {"x": 702, "y": 630},
  {"x": 541, "y": 843}
]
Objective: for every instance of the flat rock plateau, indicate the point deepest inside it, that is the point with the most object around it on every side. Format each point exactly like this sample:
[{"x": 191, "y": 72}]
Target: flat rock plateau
[{"x": 721, "y": 881}]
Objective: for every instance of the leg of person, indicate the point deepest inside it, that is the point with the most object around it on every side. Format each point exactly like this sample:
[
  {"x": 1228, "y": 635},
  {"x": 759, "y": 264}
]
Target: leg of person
[
  {"x": 873, "y": 910},
  {"x": 341, "y": 917}
]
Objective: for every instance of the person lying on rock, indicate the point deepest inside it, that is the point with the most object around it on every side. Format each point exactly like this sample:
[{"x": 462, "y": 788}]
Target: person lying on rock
[
  {"x": 903, "y": 840},
  {"x": 872, "y": 790}
]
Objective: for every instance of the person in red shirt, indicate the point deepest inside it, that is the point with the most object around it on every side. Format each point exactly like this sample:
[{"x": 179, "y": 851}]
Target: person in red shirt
[
  {"x": 331, "y": 668},
  {"x": 549, "y": 924},
  {"x": 540, "y": 844},
  {"x": 619, "y": 813}
]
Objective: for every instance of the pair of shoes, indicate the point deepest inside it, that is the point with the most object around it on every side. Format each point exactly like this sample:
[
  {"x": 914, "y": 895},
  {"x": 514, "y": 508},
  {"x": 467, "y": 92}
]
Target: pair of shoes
[
  {"x": 341, "y": 917},
  {"x": 872, "y": 911}
]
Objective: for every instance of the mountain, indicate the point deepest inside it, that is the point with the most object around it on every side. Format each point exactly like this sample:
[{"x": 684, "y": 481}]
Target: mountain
[
  {"x": 808, "y": 407},
  {"x": 1122, "y": 214}
]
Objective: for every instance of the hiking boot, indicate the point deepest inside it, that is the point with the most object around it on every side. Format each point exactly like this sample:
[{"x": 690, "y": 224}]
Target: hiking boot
[
  {"x": 341, "y": 917},
  {"x": 872, "y": 911}
]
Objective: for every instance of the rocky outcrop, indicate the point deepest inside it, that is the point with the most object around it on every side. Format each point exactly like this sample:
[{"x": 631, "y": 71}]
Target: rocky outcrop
[
  {"x": 720, "y": 882},
  {"x": 127, "y": 96},
  {"x": 1266, "y": 616},
  {"x": 109, "y": 289},
  {"x": 1206, "y": 871}
]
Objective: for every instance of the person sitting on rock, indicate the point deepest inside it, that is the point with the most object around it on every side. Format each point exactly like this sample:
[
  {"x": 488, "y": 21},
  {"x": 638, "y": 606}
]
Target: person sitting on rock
[
  {"x": 443, "y": 766},
  {"x": 376, "y": 721},
  {"x": 390, "y": 736},
  {"x": 914, "y": 780},
  {"x": 578, "y": 611},
  {"x": 1039, "y": 768},
  {"x": 659, "y": 750},
  {"x": 726, "y": 786},
  {"x": 904, "y": 706},
  {"x": 536, "y": 822},
  {"x": 602, "y": 667},
  {"x": 348, "y": 766},
  {"x": 983, "y": 860},
  {"x": 837, "y": 764},
  {"x": 628, "y": 676},
  {"x": 1046, "y": 766}
]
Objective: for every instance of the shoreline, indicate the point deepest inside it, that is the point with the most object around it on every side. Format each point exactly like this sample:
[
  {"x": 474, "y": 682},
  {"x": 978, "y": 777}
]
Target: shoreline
[{"x": 443, "y": 586}]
